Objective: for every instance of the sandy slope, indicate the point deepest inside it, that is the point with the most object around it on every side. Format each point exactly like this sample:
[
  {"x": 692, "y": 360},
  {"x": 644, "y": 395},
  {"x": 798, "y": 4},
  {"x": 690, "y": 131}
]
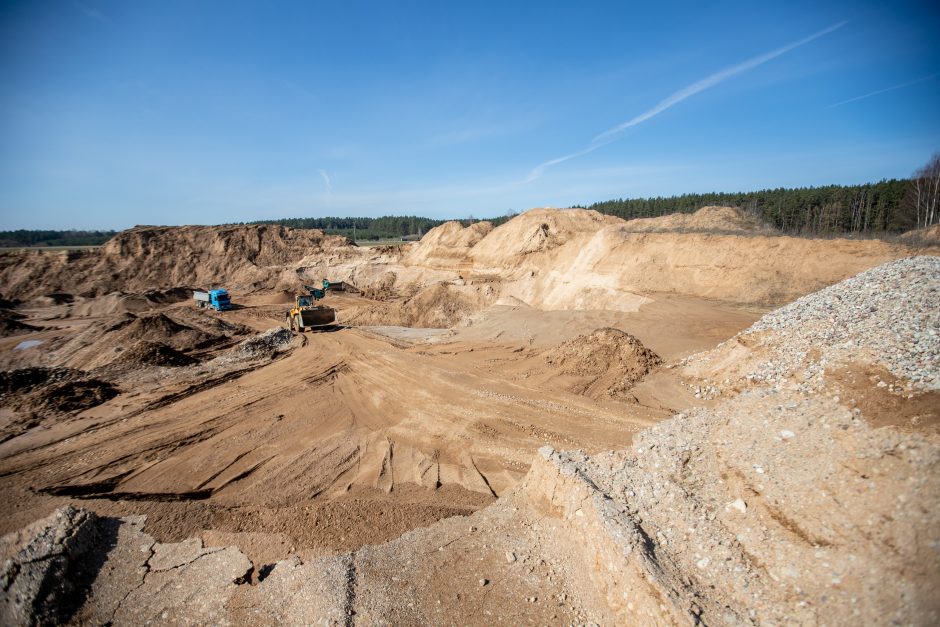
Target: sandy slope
[{"x": 307, "y": 446}]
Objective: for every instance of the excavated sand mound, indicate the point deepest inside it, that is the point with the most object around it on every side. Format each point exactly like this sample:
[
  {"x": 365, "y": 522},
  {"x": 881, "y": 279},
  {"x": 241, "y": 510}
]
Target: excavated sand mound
[
  {"x": 547, "y": 258},
  {"x": 923, "y": 237},
  {"x": 154, "y": 354},
  {"x": 147, "y": 258},
  {"x": 446, "y": 243},
  {"x": 438, "y": 306},
  {"x": 105, "y": 341},
  {"x": 11, "y": 323},
  {"x": 52, "y": 390},
  {"x": 610, "y": 360},
  {"x": 705, "y": 220},
  {"x": 579, "y": 259},
  {"x": 121, "y": 302},
  {"x": 537, "y": 231}
]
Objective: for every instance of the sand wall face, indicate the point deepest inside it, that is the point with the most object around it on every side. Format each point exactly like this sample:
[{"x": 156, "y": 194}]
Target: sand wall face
[
  {"x": 547, "y": 258},
  {"x": 580, "y": 259},
  {"x": 145, "y": 258}
]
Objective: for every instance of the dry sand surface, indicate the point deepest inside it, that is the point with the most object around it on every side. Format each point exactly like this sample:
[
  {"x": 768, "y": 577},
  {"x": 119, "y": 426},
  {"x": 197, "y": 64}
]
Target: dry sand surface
[{"x": 163, "y": 463}]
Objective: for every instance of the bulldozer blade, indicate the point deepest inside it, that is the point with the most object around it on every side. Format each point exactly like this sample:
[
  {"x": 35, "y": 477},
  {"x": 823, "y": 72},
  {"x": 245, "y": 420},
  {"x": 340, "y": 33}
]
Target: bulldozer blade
[{"x": 318, "y": 317}]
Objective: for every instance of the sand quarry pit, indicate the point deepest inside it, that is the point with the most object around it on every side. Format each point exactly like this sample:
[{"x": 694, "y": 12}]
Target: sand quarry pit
[{"x": 562, "y": 420}]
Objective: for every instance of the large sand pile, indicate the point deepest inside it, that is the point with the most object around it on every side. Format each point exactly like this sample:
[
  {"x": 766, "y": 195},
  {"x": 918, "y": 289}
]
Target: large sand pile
[
  {"x": 441, "y": 305},
  {"x": 151, "y": 337},
  {"x": 929, "y": 236},
  {"x": 547, "y": 258},
  {"x": 728, "y": 220},
  {"x": 145, "y": 258},
  {"x": 579, "y": 259},
  {"x": 446, "y": 244}
]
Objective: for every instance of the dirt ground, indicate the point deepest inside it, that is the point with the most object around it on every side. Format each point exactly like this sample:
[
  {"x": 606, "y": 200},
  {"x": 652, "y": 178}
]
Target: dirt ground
[
  {"x": 357, "y": 425},
  {"x": 400, "y": 441}
]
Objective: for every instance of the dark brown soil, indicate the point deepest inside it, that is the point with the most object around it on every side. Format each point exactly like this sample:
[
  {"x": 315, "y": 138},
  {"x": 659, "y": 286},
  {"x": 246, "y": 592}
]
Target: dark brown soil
[
  {"x": 11, "y": 323},
  {"x": 149, "y": 353},
  {"x": 47, "y": 391}
]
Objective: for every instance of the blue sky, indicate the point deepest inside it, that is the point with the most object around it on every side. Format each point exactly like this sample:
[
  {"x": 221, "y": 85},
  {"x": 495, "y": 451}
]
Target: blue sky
[{"x": 196, "y": 112}]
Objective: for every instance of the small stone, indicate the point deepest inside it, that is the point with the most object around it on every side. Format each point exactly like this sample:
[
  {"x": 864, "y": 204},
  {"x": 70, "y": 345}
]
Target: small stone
[
  {"x": 703, "y": 563},
  {"x": 739, "y": 505},
  {"x": 786, "y": 435},
  {"x": 483, "y": 582},
  {"x": 510, "y": 557}
]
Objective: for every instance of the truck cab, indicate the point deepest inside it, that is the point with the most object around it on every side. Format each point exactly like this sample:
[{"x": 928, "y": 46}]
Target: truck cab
[{"x": 217, "y": 299}]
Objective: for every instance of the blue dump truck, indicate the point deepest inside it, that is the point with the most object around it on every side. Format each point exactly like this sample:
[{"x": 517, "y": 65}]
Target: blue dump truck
[{"x": 217, "y": 299}]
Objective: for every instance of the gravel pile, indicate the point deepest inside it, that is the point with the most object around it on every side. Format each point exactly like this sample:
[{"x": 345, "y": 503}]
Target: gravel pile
[
  {"x": 889, "y": 315},
  {"x": 263, "y": 345},
  {"x": 783, "y": 507}
]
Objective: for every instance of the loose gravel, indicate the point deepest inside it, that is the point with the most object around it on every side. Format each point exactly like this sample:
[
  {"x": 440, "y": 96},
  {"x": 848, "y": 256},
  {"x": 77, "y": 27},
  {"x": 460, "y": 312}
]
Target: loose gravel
[{"x": 889, "y": 315}]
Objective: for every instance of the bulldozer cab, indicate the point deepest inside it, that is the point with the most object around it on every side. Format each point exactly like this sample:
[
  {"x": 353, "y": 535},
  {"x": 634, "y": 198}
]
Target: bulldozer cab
[{"x": 304, "y": 301}]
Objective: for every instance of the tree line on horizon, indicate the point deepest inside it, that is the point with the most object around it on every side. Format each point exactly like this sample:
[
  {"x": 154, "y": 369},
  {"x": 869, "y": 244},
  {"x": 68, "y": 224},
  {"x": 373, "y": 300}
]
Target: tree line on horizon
[
  {"x": 888, "y": 206},
  {"x": 833, "y": 209}
]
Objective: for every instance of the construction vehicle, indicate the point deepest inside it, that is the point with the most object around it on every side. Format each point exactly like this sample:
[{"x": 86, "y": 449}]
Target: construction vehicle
[
  {"x": 216, "y": 299},
  {"x": 339, "y": 286},
  {"x": 307, "y": 315}
]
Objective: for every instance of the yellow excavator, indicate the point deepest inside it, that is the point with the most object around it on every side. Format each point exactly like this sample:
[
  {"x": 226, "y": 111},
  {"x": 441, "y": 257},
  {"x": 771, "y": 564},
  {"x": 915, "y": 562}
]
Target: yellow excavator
[{"x": 305, "y": 315}]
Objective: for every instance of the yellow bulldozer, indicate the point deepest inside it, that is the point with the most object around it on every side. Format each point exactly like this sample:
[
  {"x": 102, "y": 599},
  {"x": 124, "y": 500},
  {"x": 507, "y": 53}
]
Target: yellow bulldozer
[{"x": 306, "y": 315}]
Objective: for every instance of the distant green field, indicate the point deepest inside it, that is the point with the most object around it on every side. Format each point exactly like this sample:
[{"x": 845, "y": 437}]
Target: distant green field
[{"x": 368, "y": 243}]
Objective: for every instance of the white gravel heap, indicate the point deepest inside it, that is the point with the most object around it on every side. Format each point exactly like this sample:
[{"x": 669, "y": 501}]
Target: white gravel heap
[
  {"x": 263, "y": 345},
  {"x": 889, "y": 315},
  {"x": 271, "y": 341}
]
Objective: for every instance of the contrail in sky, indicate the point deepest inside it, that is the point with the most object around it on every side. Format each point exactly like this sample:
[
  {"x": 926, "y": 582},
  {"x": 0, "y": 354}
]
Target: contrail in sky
[
  {"x": 613, "y": 134},
  {"x": 326, "y": 179},
  {"x": 881, "y": 91}
]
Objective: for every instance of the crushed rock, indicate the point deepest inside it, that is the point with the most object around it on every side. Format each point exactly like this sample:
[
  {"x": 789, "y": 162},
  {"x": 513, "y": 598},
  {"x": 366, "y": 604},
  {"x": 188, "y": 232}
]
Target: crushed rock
[
  {"x": 887, "y": 316},
  {"x": 264, "y": 345},
  {"x": 731, "y": 519},
  {"x": 48, "y": 568}
]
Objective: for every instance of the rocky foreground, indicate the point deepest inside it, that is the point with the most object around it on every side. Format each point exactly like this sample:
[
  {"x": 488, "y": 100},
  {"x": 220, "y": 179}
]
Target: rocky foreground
[{"x": 794, "y": 495}]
